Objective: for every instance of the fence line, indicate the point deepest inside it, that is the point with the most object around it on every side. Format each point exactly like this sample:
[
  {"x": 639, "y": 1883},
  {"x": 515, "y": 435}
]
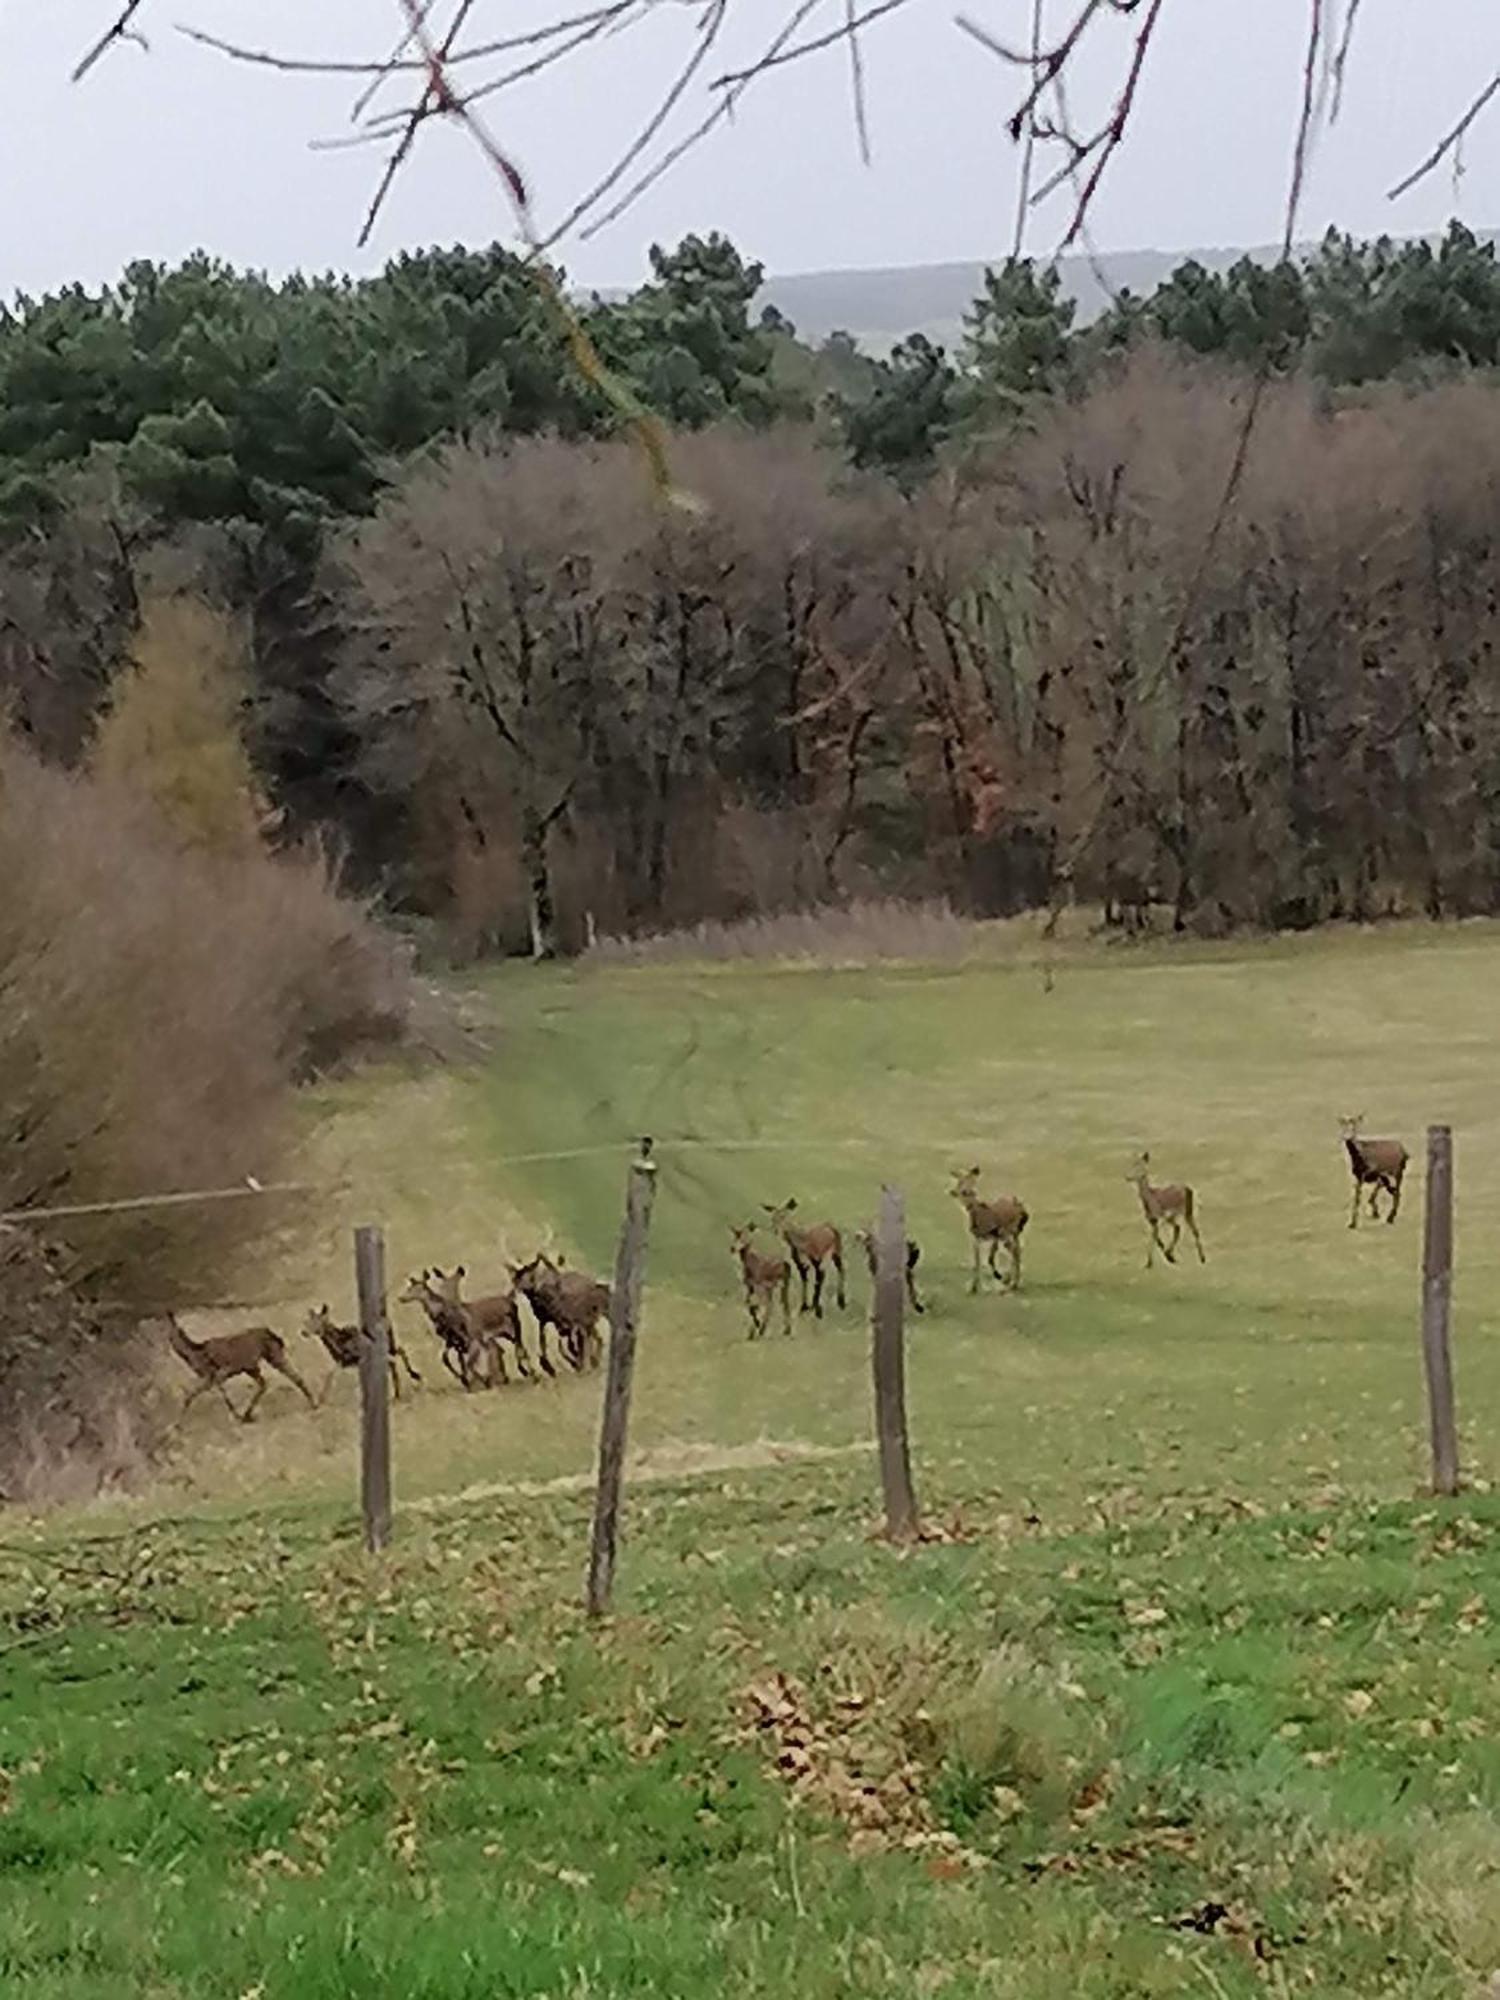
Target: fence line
[{"x": 609, "y": 1149}]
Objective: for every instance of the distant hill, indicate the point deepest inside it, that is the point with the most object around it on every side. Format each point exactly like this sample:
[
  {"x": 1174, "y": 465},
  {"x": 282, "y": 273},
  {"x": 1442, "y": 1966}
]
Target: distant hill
[{"x": 879, "y": 307}]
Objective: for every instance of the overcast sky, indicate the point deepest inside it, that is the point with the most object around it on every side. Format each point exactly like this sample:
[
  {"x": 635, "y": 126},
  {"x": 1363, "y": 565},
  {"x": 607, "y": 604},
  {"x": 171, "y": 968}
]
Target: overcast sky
[{"x": 157, "y": 154}]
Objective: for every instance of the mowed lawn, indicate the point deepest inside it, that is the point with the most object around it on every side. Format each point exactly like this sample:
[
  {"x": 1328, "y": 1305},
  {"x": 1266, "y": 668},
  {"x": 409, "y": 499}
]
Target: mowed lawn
[{"x": 1193, "y": 1694}]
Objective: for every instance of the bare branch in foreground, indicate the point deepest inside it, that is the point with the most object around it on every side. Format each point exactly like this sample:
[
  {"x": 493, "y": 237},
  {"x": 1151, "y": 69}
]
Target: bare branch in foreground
[
  {"x": 119, "y": 30},
  {"x": 1450, "y": 143}
]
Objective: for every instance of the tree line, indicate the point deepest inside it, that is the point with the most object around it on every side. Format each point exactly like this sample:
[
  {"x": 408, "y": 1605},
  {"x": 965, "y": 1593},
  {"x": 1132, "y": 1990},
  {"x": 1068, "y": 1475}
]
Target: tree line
[{"x": 930, "y": 624}]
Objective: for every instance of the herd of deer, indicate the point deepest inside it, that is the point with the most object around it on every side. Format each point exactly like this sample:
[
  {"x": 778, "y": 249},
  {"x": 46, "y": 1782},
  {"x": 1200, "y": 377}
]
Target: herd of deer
[
  {"x": 474, "y": 1334},
  {"x": 997, "y": 1222}
]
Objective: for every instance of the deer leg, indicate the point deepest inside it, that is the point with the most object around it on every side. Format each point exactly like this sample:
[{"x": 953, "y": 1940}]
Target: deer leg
[
  {"x": 261, "y": 1385},
  {"x": 1192, "y": 1224},
  {"x": 978, "y": 1253},
  {"x": 1169, "y": 1250},
  {"x": 1393, "y": 1188},
  {"x": 1015, "y": 1263},
  {"x": 1354, "y": 1211},
  {"x": 799, "y": 1265},
  {"x": 1153, "y": 1243},
  {"x": 817, "y": 1296},
  {"x": 838, "y": 1265},
  {"x": 786, "y": 1305},
  {"x": 405, "y": 1360},
  {"x": 1375, "y": 1201},
  {"x": 911, "y": 1289},
  {"x": 284, "y": 1367},
  {"x": 995, "y": 1260}
]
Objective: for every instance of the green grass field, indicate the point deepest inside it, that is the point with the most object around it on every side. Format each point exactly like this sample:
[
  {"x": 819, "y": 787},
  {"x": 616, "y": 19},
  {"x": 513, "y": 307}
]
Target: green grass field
[{"x": 1193, "y": 1695}]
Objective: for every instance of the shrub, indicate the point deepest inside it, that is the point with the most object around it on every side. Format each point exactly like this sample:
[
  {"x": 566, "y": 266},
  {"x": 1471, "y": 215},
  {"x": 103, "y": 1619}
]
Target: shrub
[{"x": 157, "y": 1003}]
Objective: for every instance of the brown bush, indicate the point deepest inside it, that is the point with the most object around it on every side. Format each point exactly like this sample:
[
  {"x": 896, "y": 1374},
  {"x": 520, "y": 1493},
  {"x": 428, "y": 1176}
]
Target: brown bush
[{"x": 156, "y": 1006}]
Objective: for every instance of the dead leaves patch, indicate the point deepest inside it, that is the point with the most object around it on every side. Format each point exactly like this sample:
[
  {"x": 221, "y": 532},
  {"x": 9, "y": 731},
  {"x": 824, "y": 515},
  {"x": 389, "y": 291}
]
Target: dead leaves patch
[{"x": 838, "y": 1764}]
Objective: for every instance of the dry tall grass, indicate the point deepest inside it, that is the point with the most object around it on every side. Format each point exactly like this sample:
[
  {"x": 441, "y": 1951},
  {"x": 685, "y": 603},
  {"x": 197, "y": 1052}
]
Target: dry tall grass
[{"x": 157, "y": 1003}]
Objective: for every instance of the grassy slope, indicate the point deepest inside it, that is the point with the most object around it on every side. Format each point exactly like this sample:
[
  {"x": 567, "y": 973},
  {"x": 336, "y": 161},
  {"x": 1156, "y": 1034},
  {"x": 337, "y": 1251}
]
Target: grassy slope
[{"x": 1195, "y": 1648}]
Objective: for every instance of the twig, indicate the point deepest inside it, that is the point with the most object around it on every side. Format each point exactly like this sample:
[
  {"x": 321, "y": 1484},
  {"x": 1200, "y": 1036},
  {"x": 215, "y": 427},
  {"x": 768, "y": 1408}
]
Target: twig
[
  {"x": 398, "y": 62},
  {"x": 857, "y": 81},
  {"x": 1450, "y": 143},
  {"x": 722, "y": 110},
  {"x": 120, "y": 30},
  {"x": 180, "y": 1200},
  {"x": 1028, "y": 150},
  {"x": 812, "y": 46},
  {"x": 1341, "y": 58},
  {"x": 708, "y": 36}
]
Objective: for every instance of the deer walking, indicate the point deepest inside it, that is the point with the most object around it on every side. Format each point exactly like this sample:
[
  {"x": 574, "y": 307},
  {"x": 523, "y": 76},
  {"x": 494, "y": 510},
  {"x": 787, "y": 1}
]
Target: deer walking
[
  {"x": 464, "y": 1353},
  {"x": 764, "y": 1278},
  {"x": 813, "y": 1248},
  {"x": 1375, "y": 1164},
  {"x": 1170, "y": 1206},
  {"x": 570, "y": 1302},
  {"x": 215, "y": 1361},
  {"x": 495, "y": 1321},
  {"x": 913, "y": 1258},
  {"x": 996, "y": 1222},
  {"x": 345, "y": 1344}
]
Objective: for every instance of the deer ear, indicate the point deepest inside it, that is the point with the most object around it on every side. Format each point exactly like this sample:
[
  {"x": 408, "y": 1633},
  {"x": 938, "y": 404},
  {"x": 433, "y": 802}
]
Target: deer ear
[
  {"x": 790, "y": 1202},
  {"x": 460, "y": 1271}
]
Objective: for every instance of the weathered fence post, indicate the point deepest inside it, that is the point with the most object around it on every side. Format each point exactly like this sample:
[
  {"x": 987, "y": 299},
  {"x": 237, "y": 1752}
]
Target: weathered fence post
[
  {"x": 1437, "y": 1293},
  {"x": 889, "y": 1348},
  {"x": 624, "y": 1320},
  {"x": 374, "y": 1389}
]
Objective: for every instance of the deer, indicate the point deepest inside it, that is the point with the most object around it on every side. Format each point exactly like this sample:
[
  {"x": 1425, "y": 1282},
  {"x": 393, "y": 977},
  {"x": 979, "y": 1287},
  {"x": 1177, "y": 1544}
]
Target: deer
[
  {"x": 764, "y": 1278},
  {"x": 345, "y": 1344},
  {"x": 495, "y": 1318},
  {"x": 1000, "y": 1220},
  {"x": 464, "y": 1353},
  {"x": 1171, "y": 1205},
  {"x": 913, "y": 1258},
  {"x": 813, "y": 1247},
  {"x": 216, "y": 1360},
  {"x": 570, "y": 1302},
  {"x": 1375, "y": 1164}
]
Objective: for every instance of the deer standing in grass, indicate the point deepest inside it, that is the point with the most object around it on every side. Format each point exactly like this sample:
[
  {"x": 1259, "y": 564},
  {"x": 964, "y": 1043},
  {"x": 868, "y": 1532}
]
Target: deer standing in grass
[
  {"x": 216, "y": 1360},
  {"x": 1170, "y": 1206},
  {"x": 999, "y": 1221},
  {"x": 1375, "y": 1164},
  {"x": 570, "y": 1302},
  {"x": 345, "y": 1344},
  {"x": 464, "y": 1353},
  {"x": 764, "y": 1278},
  {"x": 913, "y": 1258},
  {"x": 813, "y": 1248}
]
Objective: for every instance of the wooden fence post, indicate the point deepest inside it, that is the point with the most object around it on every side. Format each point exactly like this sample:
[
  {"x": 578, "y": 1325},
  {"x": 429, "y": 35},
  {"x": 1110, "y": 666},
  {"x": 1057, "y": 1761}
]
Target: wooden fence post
[
  {"x": 374, "y": 1389},
  {"x": 624, "y": 1320},
  {"x": 1437, "y": 1292},
  {"x": 889, "y": 1349}
]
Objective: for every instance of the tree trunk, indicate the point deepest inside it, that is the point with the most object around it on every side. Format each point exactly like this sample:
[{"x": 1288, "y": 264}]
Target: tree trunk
[{"x": 541, "y": 912}]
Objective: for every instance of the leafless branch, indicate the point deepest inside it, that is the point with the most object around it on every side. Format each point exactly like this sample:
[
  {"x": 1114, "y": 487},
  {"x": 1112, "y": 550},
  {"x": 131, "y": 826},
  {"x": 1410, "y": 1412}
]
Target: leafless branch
[
  {"x": 708, "y": 36},
  {"x": 857, "y": 80},
  {"x": 119, "y": 30},
  {"x": 812, "y": 46},
  {"x": 1028, "y": 144},
  {"x": 1341, "y": 58},
  {"x": 1450, "y": 143},
  {"x": 399, "y": 61}
]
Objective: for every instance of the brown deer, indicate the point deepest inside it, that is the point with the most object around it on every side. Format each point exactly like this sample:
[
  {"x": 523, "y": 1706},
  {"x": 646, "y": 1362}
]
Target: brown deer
[
  {"x": 1001, "y": 1220},
  {"x": 1375, "y": 1164},
  {"x": 570, "y": 1302},
  {"x": 464, "y": 1354},
  {"x": 495, "y": 1319},
  {"x": 215, "y": 1360},
  {"x": 913, "y": 1258},
  {"x": 1171, "y": 1205},
  {"x": 764, "y": 1278},
  {"x": 345, "y": 1344},
  {"x": 813, "y": 1247}
]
